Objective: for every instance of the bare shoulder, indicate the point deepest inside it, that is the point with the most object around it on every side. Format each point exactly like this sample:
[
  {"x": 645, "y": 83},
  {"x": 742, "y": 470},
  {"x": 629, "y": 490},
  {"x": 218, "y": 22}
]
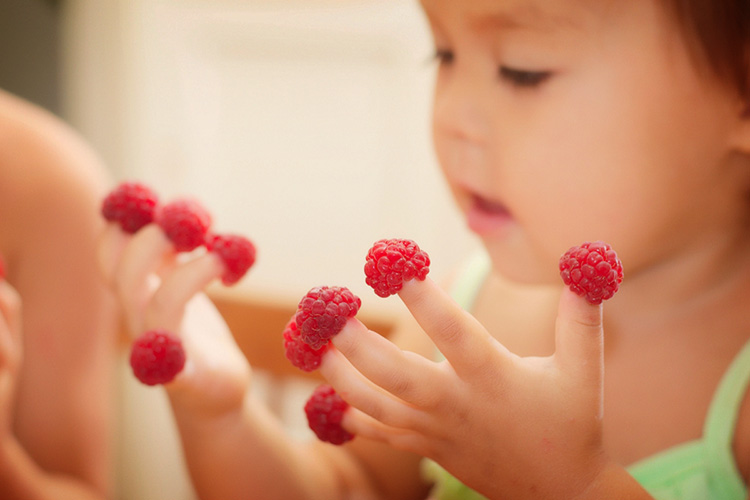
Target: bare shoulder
[
  {"x": 47, "y": 172},
  {"x": 39, "y": 149}
]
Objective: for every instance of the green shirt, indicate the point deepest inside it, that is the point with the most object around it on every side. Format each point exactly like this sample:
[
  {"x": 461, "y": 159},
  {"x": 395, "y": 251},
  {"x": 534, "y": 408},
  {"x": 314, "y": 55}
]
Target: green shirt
[{"x": 703, "y": 469}]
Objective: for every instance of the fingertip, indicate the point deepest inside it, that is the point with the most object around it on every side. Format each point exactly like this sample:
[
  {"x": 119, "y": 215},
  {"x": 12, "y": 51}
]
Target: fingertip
[
  {"x": 213, "y": 264},
  {"x": 348, "y": 336},
  {"x": 579, "y": 309},
  {"x": 579, "y": 337},
  {"x": 415, "y": 290}
]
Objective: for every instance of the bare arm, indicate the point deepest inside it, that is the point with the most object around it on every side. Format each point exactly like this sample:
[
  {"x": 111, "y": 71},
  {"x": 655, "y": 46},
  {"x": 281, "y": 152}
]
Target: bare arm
[{"x": 52, "y": 186}]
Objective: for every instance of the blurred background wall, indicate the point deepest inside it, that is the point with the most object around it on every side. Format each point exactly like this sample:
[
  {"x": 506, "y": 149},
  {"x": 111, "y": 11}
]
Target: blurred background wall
[
  {"x": 29, "y": 50},
  {"x": 303, "y": 124}
]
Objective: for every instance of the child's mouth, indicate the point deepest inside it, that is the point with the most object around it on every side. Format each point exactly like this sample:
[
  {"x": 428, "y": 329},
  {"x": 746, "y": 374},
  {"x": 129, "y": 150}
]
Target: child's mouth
[{"x": 485, "y": 216}]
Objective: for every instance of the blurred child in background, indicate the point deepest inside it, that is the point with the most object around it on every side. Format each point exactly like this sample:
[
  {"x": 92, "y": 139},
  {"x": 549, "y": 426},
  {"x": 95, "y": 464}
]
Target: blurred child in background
[{"x": 57, "y": 327}]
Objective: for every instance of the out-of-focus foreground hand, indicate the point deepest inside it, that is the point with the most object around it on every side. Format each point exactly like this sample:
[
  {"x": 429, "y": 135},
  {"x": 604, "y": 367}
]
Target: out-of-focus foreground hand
[
  {"x": 10, "y": 355},
  {"x": 158, "y": 288},
  {"x": 507, "y": 426}
]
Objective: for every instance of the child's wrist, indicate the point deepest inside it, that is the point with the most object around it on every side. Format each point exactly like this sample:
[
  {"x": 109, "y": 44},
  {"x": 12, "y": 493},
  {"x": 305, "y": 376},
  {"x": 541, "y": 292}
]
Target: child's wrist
[
  {"x": 613, "y": 482},
  {"x": 199, "y": 405}
]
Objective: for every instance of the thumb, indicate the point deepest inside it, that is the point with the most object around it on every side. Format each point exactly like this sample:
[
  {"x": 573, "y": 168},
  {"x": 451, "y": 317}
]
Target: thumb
[
  {"x": 579, "y": 337},
  {"x": 167, "y": 306}
]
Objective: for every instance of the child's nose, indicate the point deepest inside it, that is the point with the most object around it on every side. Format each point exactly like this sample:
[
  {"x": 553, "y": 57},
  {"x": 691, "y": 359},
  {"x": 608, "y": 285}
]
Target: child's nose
[{"x": 462, "y": 108}]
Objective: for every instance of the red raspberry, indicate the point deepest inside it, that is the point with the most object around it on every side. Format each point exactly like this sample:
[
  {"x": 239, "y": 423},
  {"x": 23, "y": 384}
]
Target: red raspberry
[
  {"x": 131, "y": 204},
  {"x": 237, "y": 252},
  {"x": 323, "y": 312},
  {"x": 390, "y": 262},
  {"x": 324, "y": 411},
  {"x": 592, "y": 270},
  {"x": 186, "y": 224},
  {"x": 2, "y": 268},
  {"x": 157, "y": 357},
  {"x": 300, "y": 354}
]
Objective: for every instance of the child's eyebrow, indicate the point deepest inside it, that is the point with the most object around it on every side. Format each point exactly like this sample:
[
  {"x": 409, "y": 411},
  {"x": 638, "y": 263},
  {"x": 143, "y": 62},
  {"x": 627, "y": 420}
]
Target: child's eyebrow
[
  {"x": 492, "y": 15},
  {"x": 528, "y": 17}
]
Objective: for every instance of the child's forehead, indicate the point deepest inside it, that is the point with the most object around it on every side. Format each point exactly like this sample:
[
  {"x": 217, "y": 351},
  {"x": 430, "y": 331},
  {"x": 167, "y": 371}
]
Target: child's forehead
[{"x": 542, "y": 15}]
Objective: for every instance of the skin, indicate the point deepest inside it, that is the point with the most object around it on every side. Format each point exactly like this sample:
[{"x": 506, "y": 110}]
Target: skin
[
  {"x": 662, "y": 158},
  {"x": 554, "y": 123},
  {"x": 56, "y": 347}
]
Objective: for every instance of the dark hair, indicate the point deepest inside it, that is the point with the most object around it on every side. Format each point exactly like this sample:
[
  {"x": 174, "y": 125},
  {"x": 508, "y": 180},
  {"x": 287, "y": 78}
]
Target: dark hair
[{"x": 720, "y": 31}]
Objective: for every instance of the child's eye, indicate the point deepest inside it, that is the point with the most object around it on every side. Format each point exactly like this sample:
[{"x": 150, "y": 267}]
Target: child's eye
[
  {"x": 522, "y": 78},
  {"x": 443, "y": 56}
]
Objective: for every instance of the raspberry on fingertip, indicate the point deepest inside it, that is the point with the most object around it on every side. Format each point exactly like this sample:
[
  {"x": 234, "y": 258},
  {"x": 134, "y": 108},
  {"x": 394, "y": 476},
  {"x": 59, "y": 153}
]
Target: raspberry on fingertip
[
  {"x": 298, "y": 352},
  {"x": 156, "y": 357},
  {"x": 391, "y": 262},
  {"x": 237, "y": 252},
  {"x": 132, "y": 205},
  {"x": 185, "y": 222},
  {"x": 592, "y": 270},
  {"x": 325, "y": 409},
  {"x": 323, "y": 312}
]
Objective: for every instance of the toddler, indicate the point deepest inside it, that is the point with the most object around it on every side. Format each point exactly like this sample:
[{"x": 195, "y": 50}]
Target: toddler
[{"x": 555, "y": 123}]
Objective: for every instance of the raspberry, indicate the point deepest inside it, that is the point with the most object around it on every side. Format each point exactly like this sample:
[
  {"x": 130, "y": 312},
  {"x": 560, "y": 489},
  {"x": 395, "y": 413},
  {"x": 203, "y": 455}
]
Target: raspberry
[
  {"x": 592, "y": 270},
  {"x": 324, "y": 411},
  {"x": 2, "y": 268},
  {"x": 237, "y": 252},
  {"x": 186, "y": 224},
  {"x": 390, "y": 262},
  {"x": 323, "y": 312},
  {"x": 300, "y": 354},
  {"x": 157, "y": 357},
  {"x": 130, "y": 204}
]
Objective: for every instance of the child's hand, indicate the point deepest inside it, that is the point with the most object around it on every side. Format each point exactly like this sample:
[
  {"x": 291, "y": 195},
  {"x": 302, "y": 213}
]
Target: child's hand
[
  {"x": 509, "y": 427},
  {"x": 10, "y": 354},
  {"x": 158, "y": 290}
]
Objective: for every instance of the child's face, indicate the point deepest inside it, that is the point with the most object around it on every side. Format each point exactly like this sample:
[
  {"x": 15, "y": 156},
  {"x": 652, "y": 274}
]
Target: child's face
[{"x": 563, "y": 121}]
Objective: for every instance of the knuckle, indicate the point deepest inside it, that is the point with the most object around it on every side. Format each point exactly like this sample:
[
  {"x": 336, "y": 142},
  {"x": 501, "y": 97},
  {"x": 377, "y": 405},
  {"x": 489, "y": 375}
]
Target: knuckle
[
  {"x": 347, "y": 344},
  {"x": 374, "y": 410},
  {"x": 162, "y": 309},
  {"x": 160, "y": 305},
  {"x": 399, "y": 384},
  {"x": 451, "y": 331}
]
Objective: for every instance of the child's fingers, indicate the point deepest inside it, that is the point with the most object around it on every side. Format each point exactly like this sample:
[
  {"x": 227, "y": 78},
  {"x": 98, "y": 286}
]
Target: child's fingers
[
  {"x": 579, "y": 337},
  {"x": 360, "y": 393},
  {"x": 406, "y": 375},
  {"x": 141, "y": 259},
  {"x": 10, "y": 307},
  {"x": 10, "y": 326},
  {"x": 110, "y": 246},
  {"x": 363, "y": 425},
  {"x": 167, "y": 305},
  {"x": 457, "y": 334}
]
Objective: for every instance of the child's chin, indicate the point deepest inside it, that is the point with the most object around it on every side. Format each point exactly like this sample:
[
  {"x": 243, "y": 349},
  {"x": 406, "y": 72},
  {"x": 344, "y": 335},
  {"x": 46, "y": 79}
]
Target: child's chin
[{"x": 522, "y": 270}]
